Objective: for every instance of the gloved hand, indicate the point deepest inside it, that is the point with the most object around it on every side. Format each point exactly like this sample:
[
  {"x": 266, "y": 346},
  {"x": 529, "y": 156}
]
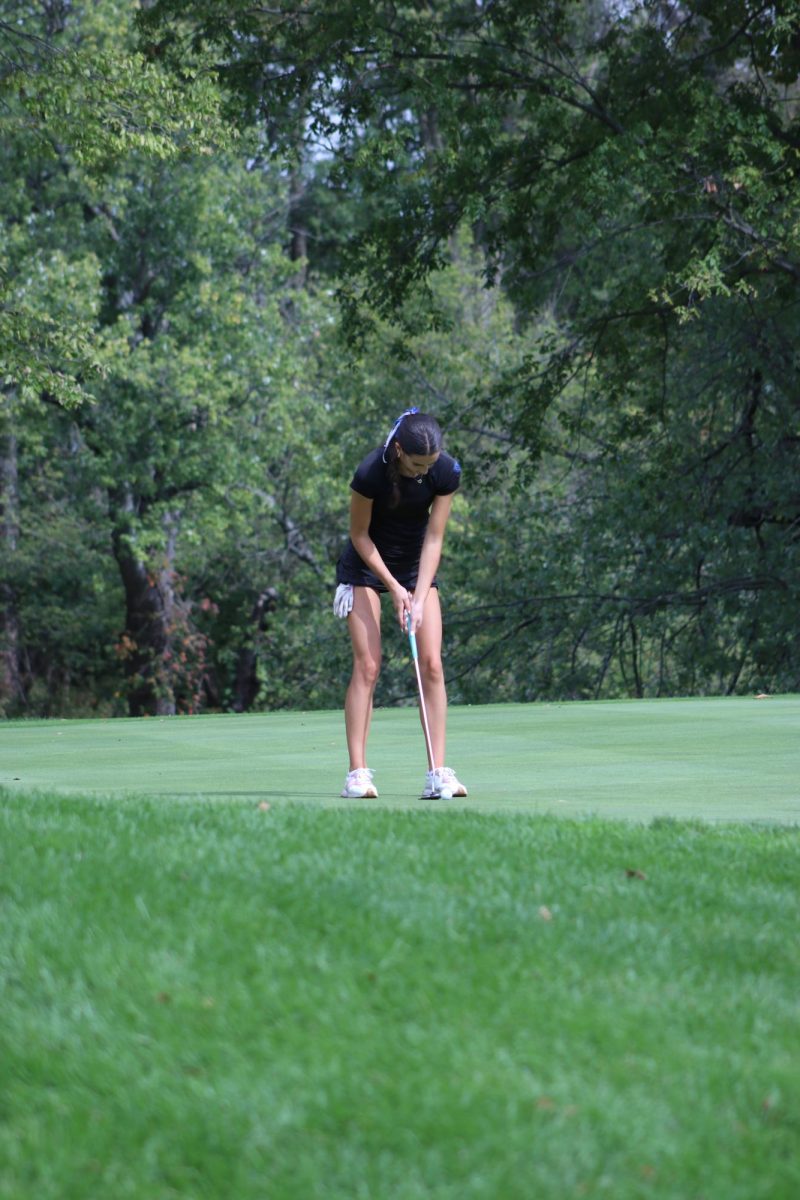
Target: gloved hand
[{"x": 343, "y": 600}]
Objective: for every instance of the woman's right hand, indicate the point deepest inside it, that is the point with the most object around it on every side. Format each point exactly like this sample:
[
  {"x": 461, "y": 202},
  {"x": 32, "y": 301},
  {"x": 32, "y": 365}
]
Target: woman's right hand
[{"x": 401, "y": 599}]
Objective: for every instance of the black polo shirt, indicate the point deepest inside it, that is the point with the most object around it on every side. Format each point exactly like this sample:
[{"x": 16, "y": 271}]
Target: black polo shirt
[{"x": 397, "y": 528}]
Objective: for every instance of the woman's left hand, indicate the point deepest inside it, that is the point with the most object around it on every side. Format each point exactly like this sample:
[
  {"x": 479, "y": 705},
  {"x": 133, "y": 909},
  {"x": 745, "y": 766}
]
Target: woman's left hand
[{"x": 417, "y": 607}]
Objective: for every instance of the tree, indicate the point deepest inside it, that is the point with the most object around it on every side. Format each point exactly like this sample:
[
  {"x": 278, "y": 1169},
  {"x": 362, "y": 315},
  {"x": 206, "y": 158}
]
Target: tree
[
  {"x": 628, "y": 173},
  {"x": 160, "y": 264},
  {"x": 75, "y": 98},
  {"x": 200, "y": 423}
]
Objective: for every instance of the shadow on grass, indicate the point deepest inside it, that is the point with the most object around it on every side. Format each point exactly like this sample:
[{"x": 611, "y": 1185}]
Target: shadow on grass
[{"x": 262, "y": 794}]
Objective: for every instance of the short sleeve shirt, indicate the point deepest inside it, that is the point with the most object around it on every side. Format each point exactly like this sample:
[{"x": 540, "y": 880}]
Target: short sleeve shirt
[{"x": 397, "y": 528}]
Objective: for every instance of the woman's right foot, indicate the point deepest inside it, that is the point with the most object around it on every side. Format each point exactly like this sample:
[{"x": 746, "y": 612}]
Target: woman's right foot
[
  {"x": 442, "y": 784},
  {"x": 358, "y": 785}
]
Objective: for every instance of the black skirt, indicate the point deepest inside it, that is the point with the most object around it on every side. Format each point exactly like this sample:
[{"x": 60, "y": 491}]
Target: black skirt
[{"x": 352, "y": 569}]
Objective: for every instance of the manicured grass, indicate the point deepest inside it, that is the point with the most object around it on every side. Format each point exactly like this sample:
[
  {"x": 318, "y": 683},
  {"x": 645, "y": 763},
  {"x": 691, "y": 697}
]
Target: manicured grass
[
  {"x": 719, "y": 759},
  {"x": 217, "y": 999},
  {"x": 218, "y": 980}
]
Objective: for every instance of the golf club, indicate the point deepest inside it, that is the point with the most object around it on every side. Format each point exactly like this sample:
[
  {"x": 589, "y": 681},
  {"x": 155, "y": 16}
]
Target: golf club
[{"x": 428, "y": 744}]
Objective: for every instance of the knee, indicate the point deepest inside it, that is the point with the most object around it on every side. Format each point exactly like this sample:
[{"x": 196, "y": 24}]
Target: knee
[
  {"x": 431, "y": 669},
  {"x": 366, "y": 669}
]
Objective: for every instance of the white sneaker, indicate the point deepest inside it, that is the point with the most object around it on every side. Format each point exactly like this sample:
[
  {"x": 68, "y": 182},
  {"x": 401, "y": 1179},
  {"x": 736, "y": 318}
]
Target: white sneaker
[
  {"x": 442, "y": 784},
  {"x": 359, "y": 785}
]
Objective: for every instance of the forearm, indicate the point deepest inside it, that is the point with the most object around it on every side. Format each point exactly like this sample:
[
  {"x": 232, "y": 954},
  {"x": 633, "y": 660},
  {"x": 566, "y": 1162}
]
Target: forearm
[
  {"x": 369, "y": 554},
  {"x": 428, "y": 564}
]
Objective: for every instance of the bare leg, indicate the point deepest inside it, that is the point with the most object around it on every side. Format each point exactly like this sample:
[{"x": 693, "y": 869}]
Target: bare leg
[
  {"x": 429, "y": 646},
  {"x": 364, "y": 624}
]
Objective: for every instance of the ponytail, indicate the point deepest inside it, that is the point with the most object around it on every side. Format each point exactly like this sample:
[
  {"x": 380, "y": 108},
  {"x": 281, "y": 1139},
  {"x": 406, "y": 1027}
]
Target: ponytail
[{"x": 410, "y": 412}]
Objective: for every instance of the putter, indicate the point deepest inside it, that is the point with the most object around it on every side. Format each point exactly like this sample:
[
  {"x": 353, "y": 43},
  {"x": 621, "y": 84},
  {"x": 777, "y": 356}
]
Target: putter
[{"x": 428, "y": 744}]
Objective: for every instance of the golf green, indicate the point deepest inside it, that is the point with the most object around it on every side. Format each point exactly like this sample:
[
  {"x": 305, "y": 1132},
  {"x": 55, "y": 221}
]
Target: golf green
[{"x": 719, "y": 759}]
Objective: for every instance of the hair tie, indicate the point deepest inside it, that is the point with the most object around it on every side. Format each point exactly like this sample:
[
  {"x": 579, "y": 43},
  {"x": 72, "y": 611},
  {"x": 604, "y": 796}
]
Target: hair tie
[{"x": 408, "y": 413}]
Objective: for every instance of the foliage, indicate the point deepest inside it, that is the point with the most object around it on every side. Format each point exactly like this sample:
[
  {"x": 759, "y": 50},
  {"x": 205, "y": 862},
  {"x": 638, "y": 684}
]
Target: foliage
[
  {"x": 164, "y": 265},
  {"x": 569, "y": 230},
  {"x": 75, "y": 98},
  {"x": 629, "y": 175}
]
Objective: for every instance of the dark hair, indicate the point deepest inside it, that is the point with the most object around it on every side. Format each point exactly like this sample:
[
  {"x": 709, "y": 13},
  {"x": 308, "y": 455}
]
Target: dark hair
[
  {"x": 419, "y": 433},
  {"x": 416, "y": 433}
]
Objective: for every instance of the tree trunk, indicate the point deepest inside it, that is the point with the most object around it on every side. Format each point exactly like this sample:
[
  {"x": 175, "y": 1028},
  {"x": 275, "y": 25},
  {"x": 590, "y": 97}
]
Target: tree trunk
[
  {"x": 147, "y": 644},
  {"x": 246, "y": 683},
  {"x": 298, "y": 229}
]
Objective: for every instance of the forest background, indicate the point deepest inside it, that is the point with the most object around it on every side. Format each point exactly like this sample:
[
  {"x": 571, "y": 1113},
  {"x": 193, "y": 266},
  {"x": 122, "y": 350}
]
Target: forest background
[{"x": 237, "y": 240}]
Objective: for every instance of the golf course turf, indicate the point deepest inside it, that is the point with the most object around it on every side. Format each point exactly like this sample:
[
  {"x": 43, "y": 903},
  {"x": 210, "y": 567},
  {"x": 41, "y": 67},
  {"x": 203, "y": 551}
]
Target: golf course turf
[
  {"x": 217, "y": 979},
  {"x": 713, "y": 759}
]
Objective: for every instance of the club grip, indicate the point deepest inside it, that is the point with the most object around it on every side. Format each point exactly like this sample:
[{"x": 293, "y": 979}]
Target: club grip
[{"x": 412, "y": 637}]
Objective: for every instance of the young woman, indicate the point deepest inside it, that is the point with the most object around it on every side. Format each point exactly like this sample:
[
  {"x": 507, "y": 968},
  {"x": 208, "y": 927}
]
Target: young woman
[{"x": 399, "y": 506}]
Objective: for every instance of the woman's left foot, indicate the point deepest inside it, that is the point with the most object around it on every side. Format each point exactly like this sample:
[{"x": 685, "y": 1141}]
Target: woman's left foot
[
  {"x": 442, "y": 784},
  {"x": 358, "y": 785}
]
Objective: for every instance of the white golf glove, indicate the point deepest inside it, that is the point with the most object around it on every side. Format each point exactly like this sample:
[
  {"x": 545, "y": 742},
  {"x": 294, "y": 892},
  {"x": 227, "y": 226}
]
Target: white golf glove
[{"x": 343, "y": 600}]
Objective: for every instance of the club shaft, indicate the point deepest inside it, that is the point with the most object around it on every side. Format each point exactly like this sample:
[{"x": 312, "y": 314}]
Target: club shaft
[
  {"x": 422, "y": 709},
  {"x": 424, "y": 715}
]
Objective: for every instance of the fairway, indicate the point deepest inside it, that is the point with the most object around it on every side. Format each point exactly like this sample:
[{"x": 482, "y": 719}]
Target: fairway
[{"x": 721, "y": 759}]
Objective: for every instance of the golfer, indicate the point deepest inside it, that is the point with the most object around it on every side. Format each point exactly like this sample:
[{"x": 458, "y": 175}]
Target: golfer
[{"x": 400, "y": 502}]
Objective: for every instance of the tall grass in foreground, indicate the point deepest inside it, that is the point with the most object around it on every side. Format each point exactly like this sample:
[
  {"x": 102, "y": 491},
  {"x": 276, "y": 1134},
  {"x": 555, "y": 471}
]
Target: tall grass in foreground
[{"x": 207, "y": 1000}]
